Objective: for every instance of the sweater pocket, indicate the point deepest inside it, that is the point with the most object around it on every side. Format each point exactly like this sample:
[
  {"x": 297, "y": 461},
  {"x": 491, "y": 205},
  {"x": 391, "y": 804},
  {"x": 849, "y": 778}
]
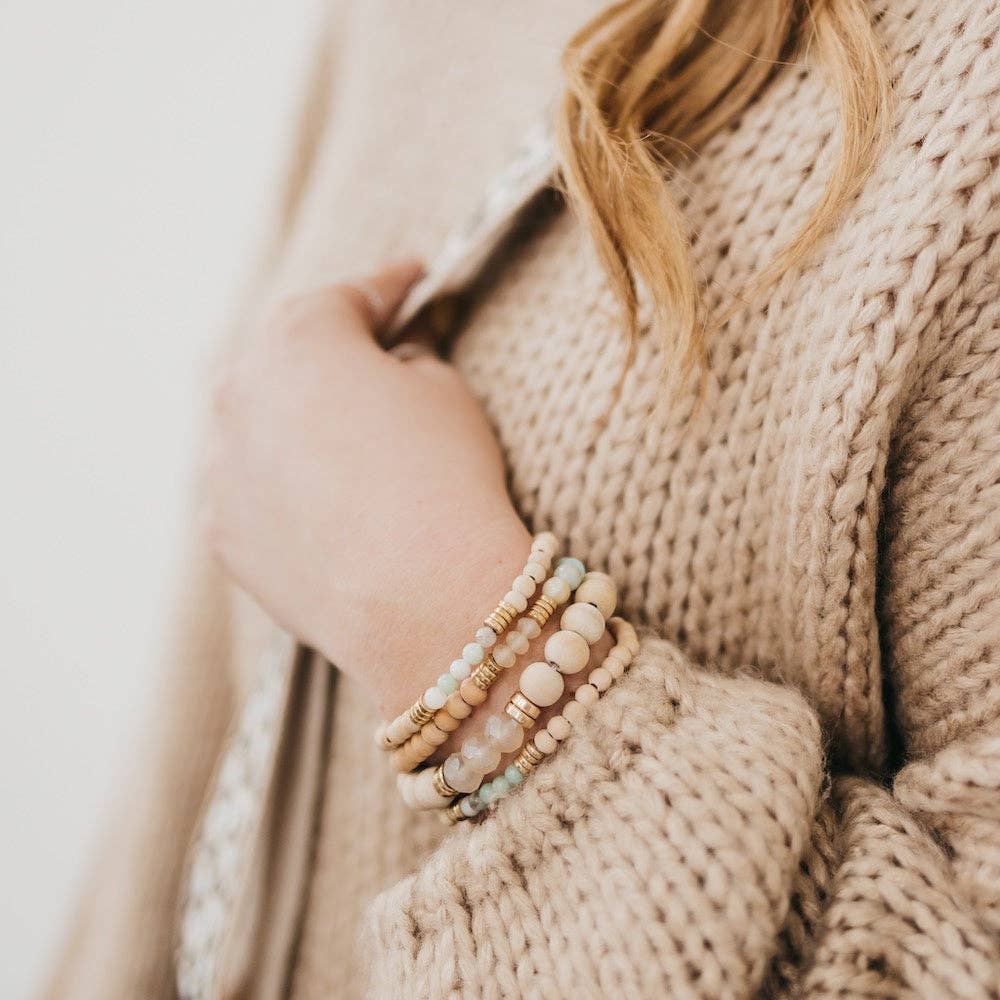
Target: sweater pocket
[{"x": 653, "y": 855}]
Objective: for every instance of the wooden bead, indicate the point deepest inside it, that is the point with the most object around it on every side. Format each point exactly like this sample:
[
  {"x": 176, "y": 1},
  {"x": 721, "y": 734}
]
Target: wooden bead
[
  {"x": 541, "y": 684},
  {"x": 471, "y": 694},
  {"x": 559, "y": 727},
  {"x": 573, "y": 712},
  {"x": 584, "y": 619},
  {"x": 457, "y": 707},
  {"x": 626, "y": 635},
  {"x": 545, "y": 742},
  {"x": 614, "y": 666},
  {"x": 600, "y": 590},
  {"x": 433, "y": 735},
  {"x": 601, "y": 678},
  {"x": 445, "y": 721},
  {"x": 567, "y": 651},
  {"x": 587, "y": 695}
]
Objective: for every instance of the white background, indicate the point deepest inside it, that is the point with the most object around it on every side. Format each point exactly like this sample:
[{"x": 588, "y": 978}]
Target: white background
[{"x": 138, "y": 146}]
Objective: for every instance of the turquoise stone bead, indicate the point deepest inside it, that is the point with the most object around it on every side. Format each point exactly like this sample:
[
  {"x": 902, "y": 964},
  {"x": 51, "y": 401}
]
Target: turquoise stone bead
[
  {"x": 513, "y": 775},
  {"x": 473, "y": 653},
  {"x": 500, "y": 786},
  {"x": 447, "y": 683},
  {"x": 571, "y": 570},
  {"x": 485, "y": 793}
]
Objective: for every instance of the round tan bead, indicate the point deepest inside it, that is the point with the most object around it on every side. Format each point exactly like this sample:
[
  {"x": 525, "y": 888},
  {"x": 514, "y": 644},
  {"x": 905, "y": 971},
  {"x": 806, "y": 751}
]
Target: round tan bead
[
  {"x": 587, "y": 695},
  {"x": 584, "y": 619},
  {"x": 436, "y": 736},
  {"x": 559, "y": 727},
  {"x": 446, "y": 722},
  {"x": 541, "y": 684},
  {"x": 471, "y": 694},
  {"x": 545, "y": 742},
  {"x": 568, "y": 651},
  {"x": 546, "y": 542},
  {"x": 600, "y": 590},
  {"x": 573, "y": 712},
  {"x": 614, "y": 666},
  {"x": 536, "y": 571},
  {"x": 457, "y": 707},
  {"x": 601, "y": 678},
  {"x": 626, "y": 635}
]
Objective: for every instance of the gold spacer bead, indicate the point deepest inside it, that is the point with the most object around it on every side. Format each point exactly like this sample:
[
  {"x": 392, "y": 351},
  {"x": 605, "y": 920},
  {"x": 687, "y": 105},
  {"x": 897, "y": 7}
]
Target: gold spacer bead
[
  {"x": 441, "y": 785},
  {"x": 500, "y": 618},
  {"x": 542, "y": 610},
  {"x": 453, "y": 814},
  {"x": 486, "y": 673},
  {"x": 420, "y": 714},
  {"x": 532, "y": 753},
  {"x": 526, "y": 705},
  {"x": 524, "y": 721},
  {"x": 524, "y": 763}
]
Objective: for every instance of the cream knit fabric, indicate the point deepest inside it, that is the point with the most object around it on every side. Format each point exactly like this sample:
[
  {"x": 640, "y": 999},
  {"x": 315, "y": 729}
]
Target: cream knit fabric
[{"x": 795, "y": 792}]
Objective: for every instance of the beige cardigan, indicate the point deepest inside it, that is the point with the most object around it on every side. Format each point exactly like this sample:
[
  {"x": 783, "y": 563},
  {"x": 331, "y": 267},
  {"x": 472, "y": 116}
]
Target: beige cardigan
[{"x": 796, "y": 790}]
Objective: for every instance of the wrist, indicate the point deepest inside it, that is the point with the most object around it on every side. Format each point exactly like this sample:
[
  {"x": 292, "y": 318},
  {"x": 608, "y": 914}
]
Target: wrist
[{"x": 415, "y": 644}]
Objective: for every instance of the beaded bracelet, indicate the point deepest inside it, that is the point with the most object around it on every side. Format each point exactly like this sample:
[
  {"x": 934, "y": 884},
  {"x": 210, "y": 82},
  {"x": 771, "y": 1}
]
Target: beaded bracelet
[
  {"x": 541, "y": 685},
  {"x": 558, "y": 728},
  {"x": 394, "y": 734},
  {"x": 473, "y": 691}
]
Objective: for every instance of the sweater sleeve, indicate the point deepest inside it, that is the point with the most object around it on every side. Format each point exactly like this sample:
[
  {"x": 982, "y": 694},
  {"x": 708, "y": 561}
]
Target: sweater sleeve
[{"x": 686, "y": 841}]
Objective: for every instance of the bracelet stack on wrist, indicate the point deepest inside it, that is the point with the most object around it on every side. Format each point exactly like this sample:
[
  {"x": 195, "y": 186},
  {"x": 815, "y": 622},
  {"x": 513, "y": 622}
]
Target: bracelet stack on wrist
[
  {"x": 547, "y": 741},
  {"x": 459, "y": 787},
  {"x": 409, "y": 723}
]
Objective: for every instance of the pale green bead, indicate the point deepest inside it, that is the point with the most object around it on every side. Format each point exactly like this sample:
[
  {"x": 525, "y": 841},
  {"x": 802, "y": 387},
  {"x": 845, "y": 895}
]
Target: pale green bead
[
  {"x": 513, "y": 775},
  {"x": 485, "y": 793},
  {"x": 447, "y": 683},
  {"x": 473, "y": 653},
  {"x": 500, "y": 786},
  {"x": 572, "y": 571}
]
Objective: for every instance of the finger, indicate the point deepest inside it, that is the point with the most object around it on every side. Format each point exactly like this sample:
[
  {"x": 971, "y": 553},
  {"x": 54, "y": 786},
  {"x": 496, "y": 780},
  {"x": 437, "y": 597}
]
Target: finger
[{"x": 377, "y": 296}]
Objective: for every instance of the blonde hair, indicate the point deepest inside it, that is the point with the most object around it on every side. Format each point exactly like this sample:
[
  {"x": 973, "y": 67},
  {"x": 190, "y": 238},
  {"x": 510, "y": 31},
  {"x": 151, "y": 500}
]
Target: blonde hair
[{"x": 648, "y": 82}]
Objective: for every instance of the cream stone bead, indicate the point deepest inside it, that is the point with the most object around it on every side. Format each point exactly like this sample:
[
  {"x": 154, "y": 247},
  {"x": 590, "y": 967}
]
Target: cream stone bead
[
  {"x": 535, "y": 570},
  {"x": 546, "y": 542},
  {"x": 516, "y": 600},
  {"x": 559, "y": 727},
  {"x": 556, "y": 588},
  {"x": 524, "y": 585},
  {"x": 541, "y": 684},
  {"x": 573, "y": 712},
  {"x": 587, "y": 695},
  {"x": 601, "y": 678},
  {"x": 529, "y": 628},
  {"x": 584, "y": 619},
  {"x": 503, "y": 655},
  {"x": 504, "y": 733},
  {"x": 614, "y": 666},
  {"x": 545, "y": 742},
  {"x": 517, "y": 641},
  {"x": 568, "y": 651},
  {"x": 600, "y": 590}
]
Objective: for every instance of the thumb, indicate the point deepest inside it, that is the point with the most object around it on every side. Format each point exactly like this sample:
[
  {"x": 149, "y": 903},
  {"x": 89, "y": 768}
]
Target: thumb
[{"x": 378, "y": 295}]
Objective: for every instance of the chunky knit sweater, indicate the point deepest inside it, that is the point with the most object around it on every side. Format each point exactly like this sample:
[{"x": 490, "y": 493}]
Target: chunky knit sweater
[{"x": 795, "y": 791}]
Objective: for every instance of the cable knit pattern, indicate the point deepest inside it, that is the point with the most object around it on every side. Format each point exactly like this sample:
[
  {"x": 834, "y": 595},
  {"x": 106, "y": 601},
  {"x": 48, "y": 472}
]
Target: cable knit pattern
[{"x": 795, "y": 791}]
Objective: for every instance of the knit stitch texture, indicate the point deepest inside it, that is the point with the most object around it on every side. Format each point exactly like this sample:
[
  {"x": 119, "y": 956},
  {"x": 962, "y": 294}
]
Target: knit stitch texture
[{"x": 795, "y": 791}]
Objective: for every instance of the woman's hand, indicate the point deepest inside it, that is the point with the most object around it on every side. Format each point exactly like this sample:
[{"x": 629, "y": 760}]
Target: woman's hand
[{"x": 358, "y": 497}]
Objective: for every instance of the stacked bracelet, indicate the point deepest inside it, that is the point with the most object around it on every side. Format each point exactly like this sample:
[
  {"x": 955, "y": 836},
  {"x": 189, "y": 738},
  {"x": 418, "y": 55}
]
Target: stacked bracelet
[
  {"x": 472, "y": 693},
  {"x": 541, "y": 685},
  {"x": 558, "y": 728},
  {"x": 409, "y": 723},
  {"x": 463, "y": 771}
]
